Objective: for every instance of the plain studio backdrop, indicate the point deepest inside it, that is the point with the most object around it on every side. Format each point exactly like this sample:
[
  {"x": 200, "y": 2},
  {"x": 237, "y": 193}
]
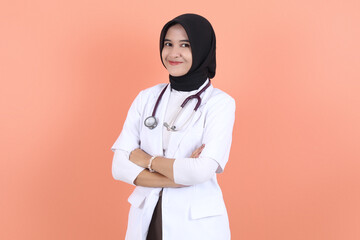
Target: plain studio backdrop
[{"x": 69, "y": 71}]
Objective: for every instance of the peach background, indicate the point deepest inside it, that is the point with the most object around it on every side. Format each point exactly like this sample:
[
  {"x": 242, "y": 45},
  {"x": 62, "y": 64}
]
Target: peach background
[{"x": 69, "y": 71}]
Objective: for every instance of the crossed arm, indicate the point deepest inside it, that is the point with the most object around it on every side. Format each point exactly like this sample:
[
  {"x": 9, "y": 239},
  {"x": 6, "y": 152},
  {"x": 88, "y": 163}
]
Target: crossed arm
[
  {"x": 164, "y": 170},
  {"x": 193, "y": 170}
]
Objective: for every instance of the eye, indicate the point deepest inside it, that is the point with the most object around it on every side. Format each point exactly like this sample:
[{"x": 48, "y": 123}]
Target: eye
[
  {"x": 167, "y": 44},
  {"x": 185, "y": 45}
]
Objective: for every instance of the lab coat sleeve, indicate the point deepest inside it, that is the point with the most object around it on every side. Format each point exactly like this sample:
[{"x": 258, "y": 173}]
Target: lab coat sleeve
[
  {"x": 218, "y": 130},
  {"x": 122, "y": 168},
  {"x": 190, "y": 171}
]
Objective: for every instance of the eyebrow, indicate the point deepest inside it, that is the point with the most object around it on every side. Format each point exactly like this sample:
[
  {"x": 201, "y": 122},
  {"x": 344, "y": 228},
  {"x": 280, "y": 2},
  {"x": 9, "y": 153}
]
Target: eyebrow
[{"x": 180, "y": 40}]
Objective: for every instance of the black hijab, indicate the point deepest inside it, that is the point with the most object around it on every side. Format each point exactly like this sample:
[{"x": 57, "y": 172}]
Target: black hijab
[{"x": 203, "y": 42}]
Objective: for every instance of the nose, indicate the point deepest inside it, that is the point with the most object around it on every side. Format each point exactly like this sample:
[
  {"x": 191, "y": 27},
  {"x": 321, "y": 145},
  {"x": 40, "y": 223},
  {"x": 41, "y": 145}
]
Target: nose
[{"x": 175, "y": 52}]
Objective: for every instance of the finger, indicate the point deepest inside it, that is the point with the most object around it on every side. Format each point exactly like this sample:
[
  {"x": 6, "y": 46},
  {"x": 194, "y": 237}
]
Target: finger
[
  {"x": 199, "y": 150},
  {"x": 196, "y": 153}
]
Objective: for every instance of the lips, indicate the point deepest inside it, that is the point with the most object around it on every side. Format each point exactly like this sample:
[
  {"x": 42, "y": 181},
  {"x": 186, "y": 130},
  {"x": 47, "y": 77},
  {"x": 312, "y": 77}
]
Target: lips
[{"x": 174, "y": 63}]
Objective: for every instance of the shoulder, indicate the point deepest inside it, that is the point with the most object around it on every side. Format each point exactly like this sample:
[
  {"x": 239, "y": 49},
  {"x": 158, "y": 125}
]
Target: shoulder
[
  {"x": 154, "y": 90},
  {"x": 149, "y": 93},
  {"x": 220, "y": 98},
  {"x": 219, "y": 113}
]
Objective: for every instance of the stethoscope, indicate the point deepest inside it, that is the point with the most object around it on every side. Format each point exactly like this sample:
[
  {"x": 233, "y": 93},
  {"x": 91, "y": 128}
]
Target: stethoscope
[{"x": 151, "y": 121}]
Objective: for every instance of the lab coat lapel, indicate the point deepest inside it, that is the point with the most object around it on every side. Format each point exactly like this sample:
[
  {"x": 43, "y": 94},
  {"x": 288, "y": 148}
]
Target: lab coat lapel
[
  {"x": 176, "y": 137},
  {"x": 154, "y": 137},
  {"x": 158, "y": 137}
]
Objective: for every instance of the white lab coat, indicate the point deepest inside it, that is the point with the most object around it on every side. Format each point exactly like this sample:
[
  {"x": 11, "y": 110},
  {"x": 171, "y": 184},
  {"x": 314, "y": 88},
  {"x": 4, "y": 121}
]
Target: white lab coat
[{"x": 196, "y": 212}]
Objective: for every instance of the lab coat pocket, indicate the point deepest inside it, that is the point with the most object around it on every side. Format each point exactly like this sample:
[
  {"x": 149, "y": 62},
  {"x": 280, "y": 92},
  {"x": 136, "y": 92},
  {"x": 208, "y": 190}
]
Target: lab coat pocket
[
  {"x": 207, "y": 207},
  {"x": 137, "y": 198}
]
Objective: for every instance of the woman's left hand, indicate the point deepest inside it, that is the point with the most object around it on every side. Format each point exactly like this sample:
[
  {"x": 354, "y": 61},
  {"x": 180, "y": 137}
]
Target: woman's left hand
[
  {"x": 140, "y": 158},
  {"x": 197, "y": 151}
]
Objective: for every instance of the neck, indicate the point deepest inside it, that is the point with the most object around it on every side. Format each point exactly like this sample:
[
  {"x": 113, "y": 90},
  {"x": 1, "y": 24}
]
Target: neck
[{"x": 188, "y": 83}]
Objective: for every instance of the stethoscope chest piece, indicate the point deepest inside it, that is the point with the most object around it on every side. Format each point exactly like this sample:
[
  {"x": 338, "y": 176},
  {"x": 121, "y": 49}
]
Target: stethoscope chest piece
[{"x": 150, "y": 122}]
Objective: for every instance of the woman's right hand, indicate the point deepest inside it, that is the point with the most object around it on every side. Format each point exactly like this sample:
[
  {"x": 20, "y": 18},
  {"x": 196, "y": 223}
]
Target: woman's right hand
[{"x": 197, "y": 152}]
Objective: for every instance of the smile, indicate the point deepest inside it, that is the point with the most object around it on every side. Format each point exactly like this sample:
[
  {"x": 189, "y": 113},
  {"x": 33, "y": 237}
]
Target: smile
[{"x": 174, "y": 63}]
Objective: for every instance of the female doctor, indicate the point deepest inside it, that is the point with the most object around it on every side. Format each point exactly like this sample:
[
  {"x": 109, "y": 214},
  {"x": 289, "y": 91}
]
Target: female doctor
[{"x": 175, "y": 139}]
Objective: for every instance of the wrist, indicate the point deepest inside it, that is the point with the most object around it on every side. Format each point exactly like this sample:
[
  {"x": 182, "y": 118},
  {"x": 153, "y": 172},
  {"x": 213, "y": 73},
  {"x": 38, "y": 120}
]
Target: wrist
[{"x": 149, "y": 166}]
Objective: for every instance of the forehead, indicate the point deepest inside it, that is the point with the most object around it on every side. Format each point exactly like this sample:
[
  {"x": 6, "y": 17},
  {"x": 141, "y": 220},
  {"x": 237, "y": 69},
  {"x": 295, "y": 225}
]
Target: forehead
[{"x": 176, "y": 31}]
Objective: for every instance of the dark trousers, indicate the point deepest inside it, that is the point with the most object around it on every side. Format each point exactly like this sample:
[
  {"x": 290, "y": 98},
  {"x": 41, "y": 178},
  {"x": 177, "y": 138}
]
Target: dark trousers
[{"x": 155, "y": 228}]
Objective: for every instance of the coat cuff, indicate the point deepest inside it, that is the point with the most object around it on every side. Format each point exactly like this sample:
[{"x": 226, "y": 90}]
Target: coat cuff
[
  {"x": 191, "y": 171},
  {"x": 123, "y": 169}
]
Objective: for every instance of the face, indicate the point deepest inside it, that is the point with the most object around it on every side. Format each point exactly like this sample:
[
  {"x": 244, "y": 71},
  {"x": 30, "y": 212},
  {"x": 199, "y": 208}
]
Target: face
[{"x": 176, "y": 53}]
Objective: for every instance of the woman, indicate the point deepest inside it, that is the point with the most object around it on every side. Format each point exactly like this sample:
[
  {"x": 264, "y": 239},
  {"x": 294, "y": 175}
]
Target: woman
[{"x": 173, "y": 156}]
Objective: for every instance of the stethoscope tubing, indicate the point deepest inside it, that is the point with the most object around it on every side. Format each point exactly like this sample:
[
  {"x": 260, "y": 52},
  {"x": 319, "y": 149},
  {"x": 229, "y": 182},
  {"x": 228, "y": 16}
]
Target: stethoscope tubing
[
  {"x": 197, "y": 96},
  {"x": 158, "y": 101}
]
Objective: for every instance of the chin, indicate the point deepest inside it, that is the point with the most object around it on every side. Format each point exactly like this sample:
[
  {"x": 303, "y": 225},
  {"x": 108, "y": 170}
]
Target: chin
[{"x": 176, "y": 74}]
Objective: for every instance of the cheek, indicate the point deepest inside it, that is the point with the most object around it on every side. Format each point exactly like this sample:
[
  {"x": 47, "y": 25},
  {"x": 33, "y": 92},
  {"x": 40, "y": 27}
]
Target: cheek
[
  {"x": 163, "y": 55},
  {"x": 189, "y": 57},
  {"x": 190, "y": 61}
]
